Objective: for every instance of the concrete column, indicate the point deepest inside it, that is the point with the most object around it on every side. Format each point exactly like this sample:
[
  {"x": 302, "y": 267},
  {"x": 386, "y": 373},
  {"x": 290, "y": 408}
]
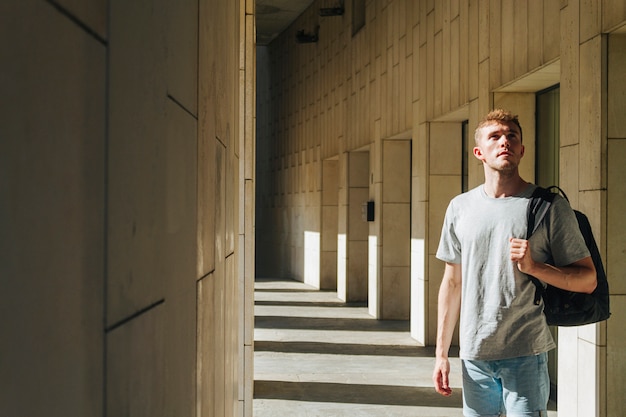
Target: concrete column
[
  {"x": 353, "y": 230},
  {"x": 582, "y": 351},
  {"x": 419, "y": 234},
  {"x": 616, "y": 229},
  {"x": 389, "y": 291},
  {"x": 328, "y": 240},
  {"x": 445, "y": 182},
  {"x": 310, "y": 190}
]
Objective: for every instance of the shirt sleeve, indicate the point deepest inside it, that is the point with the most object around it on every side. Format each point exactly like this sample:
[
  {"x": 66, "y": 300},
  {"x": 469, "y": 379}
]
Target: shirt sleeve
[
  {"x": 566, "y": 241},
  {"x": 449, "y": 249}
]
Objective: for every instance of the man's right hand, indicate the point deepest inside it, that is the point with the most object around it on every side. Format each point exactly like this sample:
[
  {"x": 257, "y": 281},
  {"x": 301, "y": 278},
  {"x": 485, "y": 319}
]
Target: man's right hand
[{"x": 440, "y": 377}]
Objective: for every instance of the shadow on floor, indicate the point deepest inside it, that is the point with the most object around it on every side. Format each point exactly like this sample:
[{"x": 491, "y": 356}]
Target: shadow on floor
[
  {"x": 292, "y": 290},
  {"x": 309, "y": 304},
  {"x": 352, "y": 348},
  {"x": 355, "y": 394},
  {"x": 322, "y": 323}
]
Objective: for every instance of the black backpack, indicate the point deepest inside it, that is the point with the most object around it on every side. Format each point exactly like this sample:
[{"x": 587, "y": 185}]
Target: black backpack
[{"x": 562, "y": 307}]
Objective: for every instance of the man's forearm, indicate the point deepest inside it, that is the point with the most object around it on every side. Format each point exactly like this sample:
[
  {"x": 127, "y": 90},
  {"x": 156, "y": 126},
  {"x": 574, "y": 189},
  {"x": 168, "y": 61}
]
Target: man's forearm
[
  {"x": 578, "y": 277},
  {"x": 449, "y": 306}
]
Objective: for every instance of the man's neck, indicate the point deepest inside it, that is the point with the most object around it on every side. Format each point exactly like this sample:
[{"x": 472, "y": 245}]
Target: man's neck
[{"x": 499, "y": 185}]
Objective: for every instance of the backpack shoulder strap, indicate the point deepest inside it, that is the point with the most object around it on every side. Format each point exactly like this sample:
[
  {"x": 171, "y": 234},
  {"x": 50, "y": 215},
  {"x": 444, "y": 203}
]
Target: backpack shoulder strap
[{"x": 538, "y": 206}]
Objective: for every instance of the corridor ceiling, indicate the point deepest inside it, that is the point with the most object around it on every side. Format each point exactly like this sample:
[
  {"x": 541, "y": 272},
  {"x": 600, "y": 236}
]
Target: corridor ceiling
[{"x": 274, "y": 16}]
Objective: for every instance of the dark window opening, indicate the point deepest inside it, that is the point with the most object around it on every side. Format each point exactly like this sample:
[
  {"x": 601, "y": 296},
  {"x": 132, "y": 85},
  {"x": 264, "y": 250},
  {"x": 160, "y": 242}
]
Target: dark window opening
[{"x": 547, "y": 138}]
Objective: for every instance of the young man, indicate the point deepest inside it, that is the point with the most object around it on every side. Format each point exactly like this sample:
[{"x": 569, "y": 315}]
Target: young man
[{"x": 504, "y": 338}]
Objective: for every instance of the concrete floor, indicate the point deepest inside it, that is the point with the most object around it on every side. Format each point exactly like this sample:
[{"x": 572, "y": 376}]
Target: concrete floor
[{"x": 317, "y": 356}]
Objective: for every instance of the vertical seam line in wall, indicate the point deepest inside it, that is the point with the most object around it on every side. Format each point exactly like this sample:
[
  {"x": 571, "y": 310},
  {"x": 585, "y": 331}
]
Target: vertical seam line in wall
[
  {"x": 197, "y": 149},
  {"x": 105, "y": 225},
  {"x": 77, "y": 21}
]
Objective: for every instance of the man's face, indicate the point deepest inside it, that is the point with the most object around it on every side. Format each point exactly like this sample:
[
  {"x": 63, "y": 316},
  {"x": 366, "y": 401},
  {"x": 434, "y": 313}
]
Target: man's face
[{"x": 500, "y": 146}]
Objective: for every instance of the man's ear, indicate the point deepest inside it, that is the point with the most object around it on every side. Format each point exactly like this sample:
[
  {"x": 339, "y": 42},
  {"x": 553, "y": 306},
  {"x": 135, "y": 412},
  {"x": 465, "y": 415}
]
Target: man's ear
[
  {"x": 523, "y": 149},
  {"x": 478, "y": 153}
]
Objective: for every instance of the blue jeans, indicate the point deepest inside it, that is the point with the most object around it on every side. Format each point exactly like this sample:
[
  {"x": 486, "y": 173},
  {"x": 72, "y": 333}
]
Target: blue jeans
[{"x": 513, "y": 387}]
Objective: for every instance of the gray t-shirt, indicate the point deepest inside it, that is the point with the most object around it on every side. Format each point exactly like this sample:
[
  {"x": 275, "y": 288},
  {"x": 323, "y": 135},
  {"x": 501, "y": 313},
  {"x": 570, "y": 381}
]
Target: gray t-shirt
[{"x": 498, "y": 317}]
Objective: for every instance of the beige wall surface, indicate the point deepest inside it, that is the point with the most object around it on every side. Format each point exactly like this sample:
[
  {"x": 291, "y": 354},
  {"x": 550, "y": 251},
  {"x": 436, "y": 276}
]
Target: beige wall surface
[
  {"x": 126, "y": 208},
  {"x": 52, "y": 213},
  {"x": 423, "y": 67},
  {"x": 616, "y": 225}
]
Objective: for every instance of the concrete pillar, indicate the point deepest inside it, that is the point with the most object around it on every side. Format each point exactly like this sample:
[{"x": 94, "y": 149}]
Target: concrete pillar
[
  {"x": 419, "y": 234},
  {"x": 389, "y": 290},
  {"x": 445, "y": 182},
  {"x": 353, "y": 230},
  {"x": 615, "y": 364},
  {"x": 330, "y": 199},
  {"x": 582, "y": 351}
]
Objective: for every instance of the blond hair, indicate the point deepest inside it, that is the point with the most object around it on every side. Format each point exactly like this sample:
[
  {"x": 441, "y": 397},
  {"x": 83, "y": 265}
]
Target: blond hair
[{"x": 497, "y": 116}]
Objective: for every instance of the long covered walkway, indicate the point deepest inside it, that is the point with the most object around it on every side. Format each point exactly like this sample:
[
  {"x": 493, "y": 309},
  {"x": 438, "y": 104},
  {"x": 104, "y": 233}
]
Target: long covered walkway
[{"x": 318, "y": 356}]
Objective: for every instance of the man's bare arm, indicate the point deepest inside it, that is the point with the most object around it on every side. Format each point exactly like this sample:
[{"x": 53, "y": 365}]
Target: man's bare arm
[
  {"x": 449, "y": 306},
  {"x": 579, "y": 276}
]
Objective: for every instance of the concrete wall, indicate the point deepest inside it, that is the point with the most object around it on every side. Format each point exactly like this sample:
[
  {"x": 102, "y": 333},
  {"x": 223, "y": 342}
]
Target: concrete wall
[
  {"x": 615, "y": 337},
  {"x": 424, "y": 67},
  {"x": 352, "y": 241},
  {"x": 126, "y": 208},
  {"x": 329, "y": 224},
  {"x": 390, "y": 238}
]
